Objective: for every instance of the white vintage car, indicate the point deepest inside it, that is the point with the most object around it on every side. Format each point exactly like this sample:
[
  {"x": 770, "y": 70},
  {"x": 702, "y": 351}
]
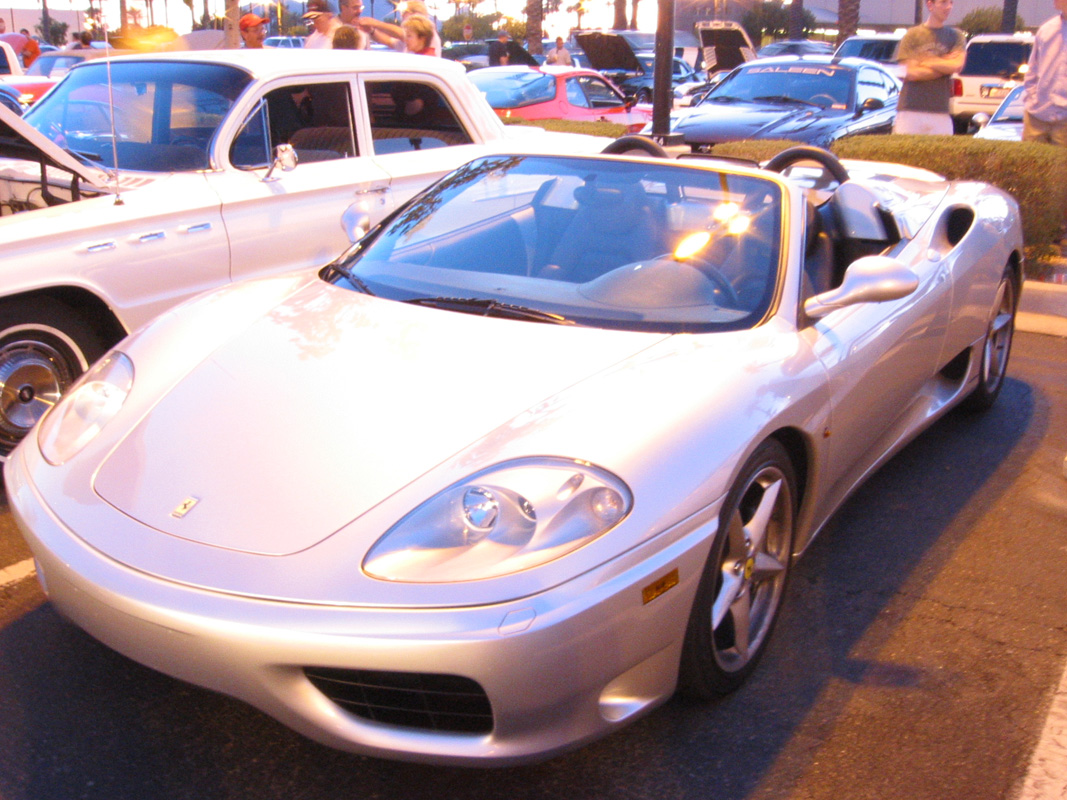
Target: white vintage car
[{"x": 106, "y": 220}]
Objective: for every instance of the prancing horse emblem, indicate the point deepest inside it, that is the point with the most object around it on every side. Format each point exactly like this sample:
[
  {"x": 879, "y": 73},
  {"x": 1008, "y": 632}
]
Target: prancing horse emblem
[{"x": 184, "y": 507}]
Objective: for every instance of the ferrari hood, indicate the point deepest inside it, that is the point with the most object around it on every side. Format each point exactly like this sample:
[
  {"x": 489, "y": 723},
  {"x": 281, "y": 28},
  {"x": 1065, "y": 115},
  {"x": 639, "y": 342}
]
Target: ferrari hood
[
  {"x": 20, "y": 140},
  {"x": 711, "y": 122},
  {"x": 326, "y": 406}
]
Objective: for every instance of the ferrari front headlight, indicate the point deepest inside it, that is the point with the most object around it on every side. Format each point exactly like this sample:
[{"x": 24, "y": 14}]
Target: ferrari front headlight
[
  {"x": 85, "y": 409},
  {"x": 511, "y": 517}
]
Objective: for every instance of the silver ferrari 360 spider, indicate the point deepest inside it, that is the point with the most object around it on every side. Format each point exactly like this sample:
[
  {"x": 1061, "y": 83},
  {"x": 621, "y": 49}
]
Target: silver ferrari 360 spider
[{"x": 536, "y": 452}]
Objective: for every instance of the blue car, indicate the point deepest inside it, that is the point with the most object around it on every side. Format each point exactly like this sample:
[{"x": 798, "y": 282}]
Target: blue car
[{"x": 811, "y": 99}]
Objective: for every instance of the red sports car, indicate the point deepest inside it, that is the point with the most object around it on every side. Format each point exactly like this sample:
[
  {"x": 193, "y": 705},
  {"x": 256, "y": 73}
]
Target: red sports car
[{"x": 557, "y": 93}]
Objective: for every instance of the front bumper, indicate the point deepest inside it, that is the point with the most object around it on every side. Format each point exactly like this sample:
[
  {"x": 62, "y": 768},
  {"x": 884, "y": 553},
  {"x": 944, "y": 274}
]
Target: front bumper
[{"x": 558, "y": 669}]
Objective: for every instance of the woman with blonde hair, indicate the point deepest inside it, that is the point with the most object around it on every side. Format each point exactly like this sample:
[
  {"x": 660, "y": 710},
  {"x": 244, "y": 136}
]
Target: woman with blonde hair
[{"x": 418, "y": 35}]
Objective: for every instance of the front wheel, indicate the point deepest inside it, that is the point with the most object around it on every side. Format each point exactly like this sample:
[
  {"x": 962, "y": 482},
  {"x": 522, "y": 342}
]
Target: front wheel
[
  {"x": 44, "y": 347},
  {"x": 996, "y": 347},
  {"x": 744, "y": 579}
]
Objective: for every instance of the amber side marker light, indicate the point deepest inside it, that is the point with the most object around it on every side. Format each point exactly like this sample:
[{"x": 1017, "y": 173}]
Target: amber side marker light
[{"x": 661, "y": 586}]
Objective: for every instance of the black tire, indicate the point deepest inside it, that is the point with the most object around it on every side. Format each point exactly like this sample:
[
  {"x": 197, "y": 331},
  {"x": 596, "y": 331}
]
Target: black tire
[
  {"x": 634, "y": 144},
  {"x": 996, "y": 346},
  {"x": 44, "y": 347},
  {"x": 744, "y": 579},
  {"x": 643, "y": 96}
]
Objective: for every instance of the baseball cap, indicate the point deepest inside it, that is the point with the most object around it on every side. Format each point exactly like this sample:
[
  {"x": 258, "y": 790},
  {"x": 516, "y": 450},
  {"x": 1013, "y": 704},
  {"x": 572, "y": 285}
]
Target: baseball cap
[
  {"x": 251, "y": 21},
  {"x": 316, "y": 8}
]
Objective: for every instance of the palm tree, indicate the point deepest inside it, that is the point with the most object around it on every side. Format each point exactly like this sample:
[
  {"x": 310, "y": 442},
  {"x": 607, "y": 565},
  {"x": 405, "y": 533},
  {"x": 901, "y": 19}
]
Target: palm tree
[
  {"x": 1007, "y": 21},
  {"x": 848, "y": 18},
  {"x": 796, "y": 19},
  {"x": 534, "y": 18}
]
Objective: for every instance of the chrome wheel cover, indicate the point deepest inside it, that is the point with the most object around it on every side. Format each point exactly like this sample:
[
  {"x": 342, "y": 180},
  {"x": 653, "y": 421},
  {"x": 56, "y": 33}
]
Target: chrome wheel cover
[
  {"x": 998, "y": 337},
  {"x": 34, "y": 373},
  {"x": 752, "y": 569}
]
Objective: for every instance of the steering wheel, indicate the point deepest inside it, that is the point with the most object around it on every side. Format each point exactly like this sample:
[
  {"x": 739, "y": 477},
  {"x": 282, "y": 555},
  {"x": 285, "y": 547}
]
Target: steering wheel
[
  {"x": 186, "y": 140},
  {"x": 791, "y": 155},
  {"x": 712, "y": 273},
  {"x": 830, "y": 100}
]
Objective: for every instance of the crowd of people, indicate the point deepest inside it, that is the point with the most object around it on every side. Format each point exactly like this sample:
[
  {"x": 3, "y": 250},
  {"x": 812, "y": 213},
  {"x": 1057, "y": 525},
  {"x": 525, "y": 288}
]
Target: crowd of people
[{"x": 350, "y": 30}]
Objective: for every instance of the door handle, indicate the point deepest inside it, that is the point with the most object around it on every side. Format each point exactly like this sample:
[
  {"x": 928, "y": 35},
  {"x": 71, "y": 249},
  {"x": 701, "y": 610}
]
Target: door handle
[
  {"x": 198, "y": 228},
  {"x": 144, "y": 238}
]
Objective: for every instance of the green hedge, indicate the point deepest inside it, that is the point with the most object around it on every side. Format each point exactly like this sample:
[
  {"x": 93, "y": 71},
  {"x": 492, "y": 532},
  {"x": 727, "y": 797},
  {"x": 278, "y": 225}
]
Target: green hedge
[{"x": 1035, "y": 174}]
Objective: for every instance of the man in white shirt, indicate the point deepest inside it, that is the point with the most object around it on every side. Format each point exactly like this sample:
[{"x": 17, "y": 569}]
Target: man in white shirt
[
  {"x": 559, "y": 55},
  {"x": 321, "y": 18}
]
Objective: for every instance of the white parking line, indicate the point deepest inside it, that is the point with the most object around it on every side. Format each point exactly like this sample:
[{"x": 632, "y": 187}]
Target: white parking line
[
  {"x": 16, "y": 572},
  {"x": 1047, "y": 777}
]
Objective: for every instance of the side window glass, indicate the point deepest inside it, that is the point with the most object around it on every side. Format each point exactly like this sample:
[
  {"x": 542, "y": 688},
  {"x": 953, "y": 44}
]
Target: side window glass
[
  {"x": 251, "y": 147},
  {"x": 870, "y": 85},
  {"x": 575, "y": 95},
  {"x": 600, "y": 94},
  {"x": 316, "y": 119},
  {"x": 406, "y": 115}
]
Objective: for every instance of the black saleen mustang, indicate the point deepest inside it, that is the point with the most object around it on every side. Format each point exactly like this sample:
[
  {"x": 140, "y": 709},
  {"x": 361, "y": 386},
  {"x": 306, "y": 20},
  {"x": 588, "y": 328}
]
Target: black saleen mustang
[{"x": 812, "y": 99}]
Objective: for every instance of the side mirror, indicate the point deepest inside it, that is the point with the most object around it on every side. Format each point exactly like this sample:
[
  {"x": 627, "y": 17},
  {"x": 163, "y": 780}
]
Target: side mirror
[
  {"x": 355, "y": 222},
  {"x": 285, "y": 159},
  {"x": 979, "y": 121},
  {"x": 870, "y": 104},
  {"x": 871, "y": 279}
]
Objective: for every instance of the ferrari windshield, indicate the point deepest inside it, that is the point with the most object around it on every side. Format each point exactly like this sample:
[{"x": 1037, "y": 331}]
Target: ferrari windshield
[
  {"x": 826, "y": 85},
  {"x": 513, "y": 88},
  {"x": 611, "y": 243},
  {"x": 154, "y": 116}
]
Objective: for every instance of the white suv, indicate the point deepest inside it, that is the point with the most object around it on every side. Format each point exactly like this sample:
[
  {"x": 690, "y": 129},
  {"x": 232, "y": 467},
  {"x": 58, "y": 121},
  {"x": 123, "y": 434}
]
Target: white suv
[{"x": 991, "y": 65}]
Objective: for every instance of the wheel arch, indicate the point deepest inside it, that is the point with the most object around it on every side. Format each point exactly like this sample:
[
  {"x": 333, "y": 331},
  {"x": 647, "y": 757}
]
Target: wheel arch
[
  {"x": 1015, "y": 264},
  {"x": 798, "y": 447},
  {"x": 94, "y": 311}
]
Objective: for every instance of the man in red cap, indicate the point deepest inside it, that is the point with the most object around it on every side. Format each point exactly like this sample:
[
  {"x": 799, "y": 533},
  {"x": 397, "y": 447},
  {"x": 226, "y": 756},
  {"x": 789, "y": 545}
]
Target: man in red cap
[{"x": 253, "y": 30}]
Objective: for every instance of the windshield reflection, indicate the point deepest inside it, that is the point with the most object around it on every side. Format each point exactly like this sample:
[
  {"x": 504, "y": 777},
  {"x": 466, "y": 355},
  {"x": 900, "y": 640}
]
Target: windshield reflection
[{"x": 608, "y": 243}]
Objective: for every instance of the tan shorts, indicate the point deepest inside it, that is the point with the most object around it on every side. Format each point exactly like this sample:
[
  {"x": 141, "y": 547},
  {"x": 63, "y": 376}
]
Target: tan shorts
[
  {"x": 1037, "y": 130},
  {"x": 923, "y": 122}
]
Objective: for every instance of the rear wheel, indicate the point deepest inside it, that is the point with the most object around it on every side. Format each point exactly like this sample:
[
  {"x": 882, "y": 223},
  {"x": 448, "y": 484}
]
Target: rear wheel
[
  {"x": 44, "y": 347},
  {"x": 744, "y": 579},
  {"x": 643, "y": 96},
  {"x": 996, "y": 347}
]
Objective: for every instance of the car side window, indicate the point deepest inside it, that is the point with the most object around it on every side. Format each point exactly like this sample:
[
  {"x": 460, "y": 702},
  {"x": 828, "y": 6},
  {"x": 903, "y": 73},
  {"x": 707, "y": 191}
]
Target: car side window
[
  {"x": 315, "y": 118},
  {"x": 575, "y": 95},
  {"x": 600, "y": 94},
  {"x": 870, "y": 84},
  {"x": 409, "y": 115}
]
